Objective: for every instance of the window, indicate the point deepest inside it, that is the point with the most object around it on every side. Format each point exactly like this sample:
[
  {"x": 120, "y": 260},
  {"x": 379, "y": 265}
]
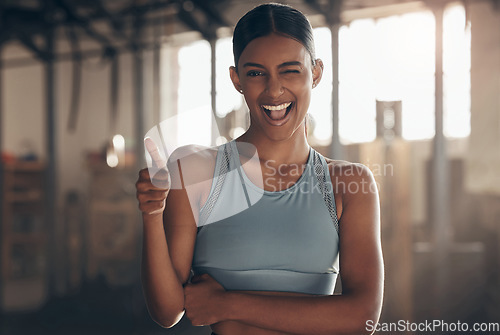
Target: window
[
  {"x": 393, "y": 59},
  {"x": 192, "y": 123},
  {"x": 228, "y": 99},
  {"x": 456, "y": 68},
  {"x": 194, "y": 107},
  {"x": 321, "y": 100}
]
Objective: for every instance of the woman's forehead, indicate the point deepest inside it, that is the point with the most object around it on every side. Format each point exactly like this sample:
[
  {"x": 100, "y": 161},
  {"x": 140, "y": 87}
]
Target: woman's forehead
[{"x": 274, "y": 48}]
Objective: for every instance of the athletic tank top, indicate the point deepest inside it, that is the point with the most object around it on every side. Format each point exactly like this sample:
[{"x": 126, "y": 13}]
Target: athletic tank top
[{"x": 252, "y": 239}]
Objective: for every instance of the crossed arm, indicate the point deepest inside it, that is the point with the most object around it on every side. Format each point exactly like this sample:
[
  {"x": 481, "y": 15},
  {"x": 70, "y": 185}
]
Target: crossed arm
[{"x": 167, "y": 259}]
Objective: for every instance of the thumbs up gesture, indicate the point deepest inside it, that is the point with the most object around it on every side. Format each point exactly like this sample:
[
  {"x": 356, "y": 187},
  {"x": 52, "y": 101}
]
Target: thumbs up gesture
[{"x": 153, "y": 183}]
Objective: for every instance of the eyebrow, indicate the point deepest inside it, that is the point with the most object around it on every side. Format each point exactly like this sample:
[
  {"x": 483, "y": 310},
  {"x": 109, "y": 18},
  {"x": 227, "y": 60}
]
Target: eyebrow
[{"x": 293, "y": 63}]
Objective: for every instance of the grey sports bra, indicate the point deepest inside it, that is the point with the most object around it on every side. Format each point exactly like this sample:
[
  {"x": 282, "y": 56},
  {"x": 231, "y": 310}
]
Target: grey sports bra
[{"x": 252, "y": 239}]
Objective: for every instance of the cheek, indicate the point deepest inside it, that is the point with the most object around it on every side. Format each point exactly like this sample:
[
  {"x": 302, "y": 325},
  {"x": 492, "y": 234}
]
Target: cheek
[
  {"x": 251, "y": 95},
  {"x": 305, "y": 101},
  {"x": 252, "y": 89},
  {"x": 303, "y": 90},
  {"x": 301, "y": 83},
  {"x": 251, "y": 98}
]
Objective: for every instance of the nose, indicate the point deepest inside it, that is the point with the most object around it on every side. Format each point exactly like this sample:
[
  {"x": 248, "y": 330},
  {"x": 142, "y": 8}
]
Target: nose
[{"x": 274, "y": 87}]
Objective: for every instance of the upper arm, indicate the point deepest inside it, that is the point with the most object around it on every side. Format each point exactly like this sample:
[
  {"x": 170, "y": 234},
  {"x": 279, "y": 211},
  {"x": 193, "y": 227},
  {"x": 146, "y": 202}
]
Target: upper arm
[
  {"x": 180, "y": 231},
  {"x": 361, "y": 260},
  {"x": 190, "y": 170}
]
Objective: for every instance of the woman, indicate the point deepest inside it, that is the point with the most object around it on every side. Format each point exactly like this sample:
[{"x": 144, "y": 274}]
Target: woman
[{"x": 270, "y": 266}]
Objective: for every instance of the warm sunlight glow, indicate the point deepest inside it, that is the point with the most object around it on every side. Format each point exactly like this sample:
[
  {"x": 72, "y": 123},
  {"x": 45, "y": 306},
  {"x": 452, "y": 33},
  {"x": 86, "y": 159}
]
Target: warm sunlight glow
[
  {"x": 388, "y": 59},
  {"x": 321, "y": 101},
  {"x": 228, "y": 99},
  {"x": 457, "y": 81},
  {"x": 194, "y": 94},
  {"x": 393, "y": 59}
]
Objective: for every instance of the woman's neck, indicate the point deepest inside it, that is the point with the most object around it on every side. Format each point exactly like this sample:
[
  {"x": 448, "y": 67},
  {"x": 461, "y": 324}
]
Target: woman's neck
[{"x": 294, "y": 149}]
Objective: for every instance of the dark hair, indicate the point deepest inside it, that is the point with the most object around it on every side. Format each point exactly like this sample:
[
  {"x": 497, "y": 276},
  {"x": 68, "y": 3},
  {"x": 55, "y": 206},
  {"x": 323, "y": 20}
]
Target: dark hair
[{"x": 271, "y": 18}]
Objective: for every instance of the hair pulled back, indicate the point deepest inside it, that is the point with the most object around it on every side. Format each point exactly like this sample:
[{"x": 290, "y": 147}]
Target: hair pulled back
[{"x": 271, "y": 18}]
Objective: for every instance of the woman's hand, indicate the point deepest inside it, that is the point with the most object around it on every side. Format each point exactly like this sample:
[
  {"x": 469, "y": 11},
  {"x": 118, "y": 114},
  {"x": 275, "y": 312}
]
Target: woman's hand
[
  {"x": 202, "y": 300},
  {"x": 152, "y": 192}
]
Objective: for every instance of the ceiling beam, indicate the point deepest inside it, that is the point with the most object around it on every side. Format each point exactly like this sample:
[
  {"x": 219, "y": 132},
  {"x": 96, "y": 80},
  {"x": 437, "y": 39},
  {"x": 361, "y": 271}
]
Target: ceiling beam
[
  {"x": 211, "y": 12},
  {"x": 331, "y": 12},
  {"x": 314, "y": 5},
  {"x": 188, "y": 19},
  {"x": 383, "y": 11},
  {"x": 115, "y": 22},
  {"x": 153, "y": 6},
  {"x": 73, "y": 17},
  {"x": 28, "y": 42}
]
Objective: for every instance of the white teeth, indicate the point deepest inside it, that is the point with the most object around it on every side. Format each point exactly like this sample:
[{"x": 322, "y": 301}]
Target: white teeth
[{"x": 277, "y": 108}]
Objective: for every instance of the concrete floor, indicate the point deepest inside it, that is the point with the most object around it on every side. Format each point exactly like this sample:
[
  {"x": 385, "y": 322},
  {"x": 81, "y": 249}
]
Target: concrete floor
[{"x": 96, "y": 309}]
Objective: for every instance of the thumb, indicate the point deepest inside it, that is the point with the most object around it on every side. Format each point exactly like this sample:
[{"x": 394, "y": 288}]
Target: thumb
[
  {"x": 160, "y": 177},
  {"x": 154, "y": 152}
]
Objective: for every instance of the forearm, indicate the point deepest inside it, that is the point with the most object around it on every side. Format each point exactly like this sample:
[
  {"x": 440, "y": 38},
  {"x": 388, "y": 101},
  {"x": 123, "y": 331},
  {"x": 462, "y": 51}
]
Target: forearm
[
  {"x": 161, "y": 284},
  {"x": 342, "y": 314}
]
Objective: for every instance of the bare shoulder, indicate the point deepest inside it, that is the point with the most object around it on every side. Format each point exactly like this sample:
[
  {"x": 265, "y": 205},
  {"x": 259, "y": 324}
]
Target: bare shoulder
[
  {"x": 351, "y": 179},
  {"x": 192, "y": 168},
  {"x": 193, "y": 163},
  {"x": 346, "y": 169},
  {"x": 192, "y": 154}
]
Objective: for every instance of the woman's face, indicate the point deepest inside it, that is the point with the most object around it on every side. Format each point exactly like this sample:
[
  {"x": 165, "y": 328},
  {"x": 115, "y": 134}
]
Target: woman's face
[{"x": 276, "y": 76}]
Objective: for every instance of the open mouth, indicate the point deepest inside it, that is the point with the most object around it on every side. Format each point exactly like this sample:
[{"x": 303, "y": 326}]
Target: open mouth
[{"x": 279, "y": 112}]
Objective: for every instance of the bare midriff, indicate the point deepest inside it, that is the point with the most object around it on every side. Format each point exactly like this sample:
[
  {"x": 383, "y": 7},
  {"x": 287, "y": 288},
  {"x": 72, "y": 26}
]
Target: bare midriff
[{"x": 238, "y": 328}]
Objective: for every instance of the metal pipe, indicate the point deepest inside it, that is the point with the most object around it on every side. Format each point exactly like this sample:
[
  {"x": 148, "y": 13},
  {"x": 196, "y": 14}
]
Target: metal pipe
[
  {"x": 440, "y": 183},
  {"x": 50, "y": 181},
  {"x": 139, "y": 106},
  {"x": 156, "y": 75},
  {"x": 2, "y": 196},
  {"x": 139, "y": 96},
  {"x": 333, "y": 19},
  {"x": 336, "y": 150},
  {"x": 213, "y": 89}
]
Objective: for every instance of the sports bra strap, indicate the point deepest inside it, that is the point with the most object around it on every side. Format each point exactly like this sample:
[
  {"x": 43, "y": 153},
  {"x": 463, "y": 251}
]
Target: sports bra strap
[
  {"x": 320, "y": 167},
  {"x": 234, "y": 155},
  {"x": 220, "y": 176}
]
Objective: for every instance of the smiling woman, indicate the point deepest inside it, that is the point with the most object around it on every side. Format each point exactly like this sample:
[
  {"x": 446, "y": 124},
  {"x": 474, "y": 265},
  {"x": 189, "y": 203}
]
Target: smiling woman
[
  {"x": 276, "y": 83},
  {"x": 255, "y": 245}
]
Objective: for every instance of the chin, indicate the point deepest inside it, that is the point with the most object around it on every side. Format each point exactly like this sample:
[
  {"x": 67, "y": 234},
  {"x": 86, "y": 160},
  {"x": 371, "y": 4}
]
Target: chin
[{"x": 283, "y": 133}]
